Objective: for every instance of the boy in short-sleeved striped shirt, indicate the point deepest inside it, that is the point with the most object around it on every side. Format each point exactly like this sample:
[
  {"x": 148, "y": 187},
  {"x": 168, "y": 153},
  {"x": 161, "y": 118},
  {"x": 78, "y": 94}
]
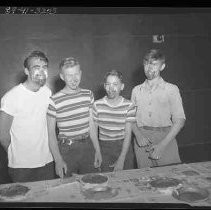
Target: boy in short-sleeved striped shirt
[
  {"x": 69, "y": 109},
  {"x": 72, "y": 118},
  {"x": 111, "y": 119},
  {"x": 113, "y": 115}
]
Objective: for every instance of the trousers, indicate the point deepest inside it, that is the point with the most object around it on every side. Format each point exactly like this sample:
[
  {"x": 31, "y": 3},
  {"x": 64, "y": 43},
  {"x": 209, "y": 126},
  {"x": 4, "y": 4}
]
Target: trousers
[
  {"x": 46, "y": 172},
  {"x": 170, "y": 155},
  {"x": 79, "y": 156},
  {"x": 110, "y": 151}
]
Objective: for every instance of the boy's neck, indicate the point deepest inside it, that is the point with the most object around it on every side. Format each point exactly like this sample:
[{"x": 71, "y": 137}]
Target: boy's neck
[
  {"x": 68, "y": 90},
  {"x": 31, "y": 86},
  {"x": 153, "y": 81},
  {"x": 114, "y": 101}
]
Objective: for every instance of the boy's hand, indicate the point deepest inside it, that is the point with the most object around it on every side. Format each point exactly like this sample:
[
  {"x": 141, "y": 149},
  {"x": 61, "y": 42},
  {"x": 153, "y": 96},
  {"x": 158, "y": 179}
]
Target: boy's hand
[
  {"x": 61, "y": 168},
  {"x": 157, "y": 151},
  {"x": 119, "y": 165},
  {"x": 98, "y": 160},
  {"x": 142, "y": 141}
]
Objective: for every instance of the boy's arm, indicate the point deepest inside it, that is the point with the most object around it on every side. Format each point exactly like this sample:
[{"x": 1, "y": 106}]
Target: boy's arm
[
  {"x": 178, "y": 120},
  {"x": 178, "y": 124},
  {"x": 94, "y": 138},
  {"x": 61, "y": 167},
  {"x": 177, "y": 114},
  {"x": 138, "y": 135},
  {"x": 127, "y": 140},
  {"x": 119, "y": 165},
  {"x": 5, "y": 125}
]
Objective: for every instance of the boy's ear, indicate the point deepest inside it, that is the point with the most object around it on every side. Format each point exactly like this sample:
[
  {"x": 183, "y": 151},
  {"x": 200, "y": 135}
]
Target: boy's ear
[
  {"x": 61, "y": 76},
  {"x": 26, "y": 71},
  {"x": 122, "y": 87},
  {"x": 163, "y": 67}
]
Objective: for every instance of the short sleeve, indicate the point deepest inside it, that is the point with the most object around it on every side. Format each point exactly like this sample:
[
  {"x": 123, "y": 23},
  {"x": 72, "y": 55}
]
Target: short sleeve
[
  {"x": 51, "y": 108},
  {"x": 131, "y": 113},
  {"x": 8, "y": 104},
  {"x": 176, "y": 105}
]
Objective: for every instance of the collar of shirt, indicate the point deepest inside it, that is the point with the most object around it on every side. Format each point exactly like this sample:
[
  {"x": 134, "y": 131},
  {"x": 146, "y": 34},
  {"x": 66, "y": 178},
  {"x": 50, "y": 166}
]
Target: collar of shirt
[{"x": 159, "y": 83}]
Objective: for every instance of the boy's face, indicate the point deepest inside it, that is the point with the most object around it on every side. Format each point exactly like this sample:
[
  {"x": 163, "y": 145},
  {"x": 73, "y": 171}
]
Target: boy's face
[
  {"x": 71, "y": 76},
  {"x": 113, "y": 86},
  {"x": 37, "y": 71},
  {"x": 152, "y": 68}
]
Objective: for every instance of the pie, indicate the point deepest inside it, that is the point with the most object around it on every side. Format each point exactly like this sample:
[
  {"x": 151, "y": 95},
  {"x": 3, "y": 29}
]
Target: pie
[
  {"x": 14, "y": 192},
  {"x": 190, "y": 194},
  {"x": 165, "y": 182},
  {"x": 94, "y": 178},
  {"x": 97, "y": 182},
  {"x": 190, "y": 173}
]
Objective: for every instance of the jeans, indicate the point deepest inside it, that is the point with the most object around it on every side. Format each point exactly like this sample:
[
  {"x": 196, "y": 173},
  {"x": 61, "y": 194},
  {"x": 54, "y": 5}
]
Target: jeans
[
  {"x": 110, "y": 151},
  {"x": 79, "y": 156}
]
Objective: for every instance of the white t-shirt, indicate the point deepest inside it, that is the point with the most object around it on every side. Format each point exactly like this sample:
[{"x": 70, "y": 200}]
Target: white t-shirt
[{"x": 29, "y": 137}]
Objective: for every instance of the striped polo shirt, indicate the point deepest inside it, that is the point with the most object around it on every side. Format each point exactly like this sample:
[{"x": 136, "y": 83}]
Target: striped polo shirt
[
  {"x": 71, "y": 112},
  {"x": 112, "y": 119}
]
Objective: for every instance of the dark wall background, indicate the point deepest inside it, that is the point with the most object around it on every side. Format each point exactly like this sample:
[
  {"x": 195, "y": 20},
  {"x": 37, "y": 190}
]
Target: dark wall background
[{"x": 103, "y": 42}]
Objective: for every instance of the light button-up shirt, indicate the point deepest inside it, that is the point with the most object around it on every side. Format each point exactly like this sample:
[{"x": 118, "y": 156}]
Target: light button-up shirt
[{"x": 157, "y": 107}]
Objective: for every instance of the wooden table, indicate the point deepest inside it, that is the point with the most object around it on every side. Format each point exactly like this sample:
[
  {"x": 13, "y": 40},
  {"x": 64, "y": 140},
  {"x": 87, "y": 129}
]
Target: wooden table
[{"x": 126, "y": 187}]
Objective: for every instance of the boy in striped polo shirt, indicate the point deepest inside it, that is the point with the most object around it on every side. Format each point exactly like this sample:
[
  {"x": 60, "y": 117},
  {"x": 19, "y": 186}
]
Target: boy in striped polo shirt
[
  {"x": 69, "y": 109},
  {"x": 113, "y": 115}
]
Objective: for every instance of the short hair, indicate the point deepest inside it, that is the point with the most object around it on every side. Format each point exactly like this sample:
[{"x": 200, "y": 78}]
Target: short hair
[
  {"x": 114, "y": 73},
  {"x": 68, "y": 62},
  {"x": 35, "y": 54},
  {"x": 154, "y": 54}
]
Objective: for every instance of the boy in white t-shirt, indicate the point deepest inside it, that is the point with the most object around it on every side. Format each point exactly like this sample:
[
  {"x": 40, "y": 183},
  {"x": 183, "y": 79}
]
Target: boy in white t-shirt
[{"x": 23, "y": 124}]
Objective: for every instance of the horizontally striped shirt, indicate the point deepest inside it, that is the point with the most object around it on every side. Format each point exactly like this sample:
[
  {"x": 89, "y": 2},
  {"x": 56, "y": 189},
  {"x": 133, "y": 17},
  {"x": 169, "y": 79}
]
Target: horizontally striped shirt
[
  {"x": 112, "y": 119},
  {"x": 71, "y": 112}
]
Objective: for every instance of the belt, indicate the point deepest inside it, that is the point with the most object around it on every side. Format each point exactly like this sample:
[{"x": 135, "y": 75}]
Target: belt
[
  {"x": 69, "y": 140},
  {"x": 156, "y": 128}
]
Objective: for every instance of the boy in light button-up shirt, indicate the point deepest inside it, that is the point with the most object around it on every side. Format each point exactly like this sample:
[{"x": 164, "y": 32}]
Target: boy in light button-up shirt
[{"x": 160, "y": 115}]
